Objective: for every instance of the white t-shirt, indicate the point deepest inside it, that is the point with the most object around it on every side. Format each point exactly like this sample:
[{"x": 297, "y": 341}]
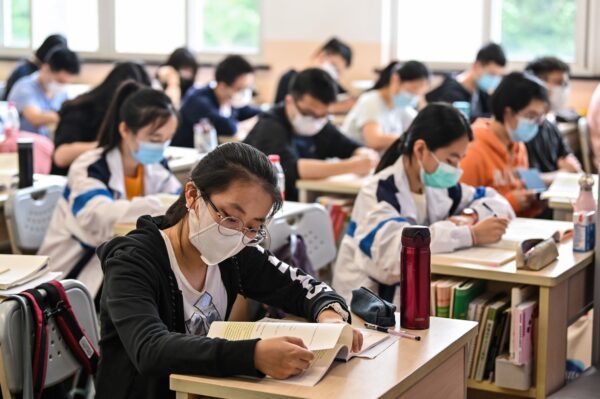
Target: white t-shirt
[
  {"x": 421, "y": 204},
  {"x": 371, "y": 107},
  {"x": 200, "y": 309}
]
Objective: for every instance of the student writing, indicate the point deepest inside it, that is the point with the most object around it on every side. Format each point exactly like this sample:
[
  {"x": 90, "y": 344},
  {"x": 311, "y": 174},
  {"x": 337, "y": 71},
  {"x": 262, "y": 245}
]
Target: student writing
[
  {"x": 299, "y": 131},
  {"x": 81, "y": 117},
  {"x": 416, "y": 182},
  {"x": 167, "y": 281},
  {"x": 114, "y": 183},
  {"x": 383, "y": 113}
]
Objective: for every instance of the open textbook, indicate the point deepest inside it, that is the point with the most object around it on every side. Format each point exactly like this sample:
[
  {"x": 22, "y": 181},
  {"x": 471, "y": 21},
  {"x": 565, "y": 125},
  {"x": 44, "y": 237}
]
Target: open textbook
[{"x": 328, "y": 341}]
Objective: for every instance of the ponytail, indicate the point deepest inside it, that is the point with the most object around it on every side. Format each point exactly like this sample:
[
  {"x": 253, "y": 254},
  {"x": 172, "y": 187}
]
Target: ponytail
[
  {"x": 438, "y": 124},
  {"x": 408, "y": 71},
  {"x": 385, "y": 76}
]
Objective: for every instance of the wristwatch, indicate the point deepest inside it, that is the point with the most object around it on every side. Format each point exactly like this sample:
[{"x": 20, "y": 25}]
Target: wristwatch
[
  {"x": 337, "y": 308},
  {"x": 472, "y": 213}
]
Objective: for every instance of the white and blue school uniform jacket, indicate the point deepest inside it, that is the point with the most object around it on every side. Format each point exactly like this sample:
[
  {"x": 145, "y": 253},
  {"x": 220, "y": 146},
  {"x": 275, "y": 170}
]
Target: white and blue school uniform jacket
[
  {"x": 93, "y": 202},
  {"x": 369, "y": 254}
]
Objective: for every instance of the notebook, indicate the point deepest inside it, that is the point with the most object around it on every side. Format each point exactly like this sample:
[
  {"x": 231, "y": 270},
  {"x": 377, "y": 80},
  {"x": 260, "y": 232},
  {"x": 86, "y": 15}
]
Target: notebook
[
  {"x": 532, "y": 179},
  {"x": 17, "y": 270}
]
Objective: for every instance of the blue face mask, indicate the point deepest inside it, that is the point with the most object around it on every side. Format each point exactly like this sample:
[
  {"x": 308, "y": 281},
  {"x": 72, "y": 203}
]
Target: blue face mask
[
  {"x": 445, "y": 176},
  {"x": 150, "y": 153},
  {"x": 488, "y": 83},
  {"x": 526, "y": 130},
  {"x": 405, "y": 99}
]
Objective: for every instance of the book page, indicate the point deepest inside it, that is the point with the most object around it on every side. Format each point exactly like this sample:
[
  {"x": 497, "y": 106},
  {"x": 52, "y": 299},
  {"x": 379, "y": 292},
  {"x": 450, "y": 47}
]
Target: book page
[
  {"x": 374, "y": 343},
  {"x": 520, "y": 230},
  {"x": 477, "y": 255},
  {"x": 566, "y": 185},
  {"x": 19, "y": 269},
  {"x": 316, "y": 336},
  {"x": 317, "y": 369}
]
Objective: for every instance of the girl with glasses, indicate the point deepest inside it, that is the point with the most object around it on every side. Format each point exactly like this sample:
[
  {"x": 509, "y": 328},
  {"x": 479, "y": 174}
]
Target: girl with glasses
[{"x": 165, "y": 282}]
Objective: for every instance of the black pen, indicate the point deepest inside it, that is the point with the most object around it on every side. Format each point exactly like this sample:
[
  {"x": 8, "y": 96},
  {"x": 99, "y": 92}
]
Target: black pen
[
  {"x": 391, "y": 331},
  {"x": 489, "y": 208}
]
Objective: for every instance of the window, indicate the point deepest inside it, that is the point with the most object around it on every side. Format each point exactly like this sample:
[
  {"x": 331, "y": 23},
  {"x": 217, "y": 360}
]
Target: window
[
  {"x": 149, "y": 26},
  {"x": 538, "y": 27},
  {"x": 16, "y": 28}
]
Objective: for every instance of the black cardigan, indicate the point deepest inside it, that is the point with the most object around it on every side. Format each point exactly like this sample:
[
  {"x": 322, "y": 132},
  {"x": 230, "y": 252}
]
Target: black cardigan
[{"x": 142, "y": 322}]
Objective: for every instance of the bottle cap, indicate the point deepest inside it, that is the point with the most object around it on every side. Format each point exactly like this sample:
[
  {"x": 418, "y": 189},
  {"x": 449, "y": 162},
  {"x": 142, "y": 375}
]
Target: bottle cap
[
  {"x": 419, "y": 235},
  {"x": 274, "y": 158},
  {"x": 586, "y": 182}
]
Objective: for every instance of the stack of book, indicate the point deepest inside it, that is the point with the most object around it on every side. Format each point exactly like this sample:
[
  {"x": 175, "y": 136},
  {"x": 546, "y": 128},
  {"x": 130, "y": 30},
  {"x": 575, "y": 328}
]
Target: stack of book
[{"x": 339, "y": 211}]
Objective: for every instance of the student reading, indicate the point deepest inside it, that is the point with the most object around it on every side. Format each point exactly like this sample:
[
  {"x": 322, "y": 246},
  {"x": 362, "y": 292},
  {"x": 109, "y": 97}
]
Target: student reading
[
  {"x": 224, "y": 102},
  {"x": 519, "y": 105},
  {"x": 548, "y": 151},
  {"x": 114, "y": 183},
  {"x": 168, "y": 280},
  {"x": 416, "y": 182},
  {"x": 334, "y": 57},
  {"x": 474, "y": 85},
  {"x": 299, "y": 131},
  {"x": 383, "y": 113},
  {"x": 80, "y": 118},
  {"x": 39, "y": 96}
]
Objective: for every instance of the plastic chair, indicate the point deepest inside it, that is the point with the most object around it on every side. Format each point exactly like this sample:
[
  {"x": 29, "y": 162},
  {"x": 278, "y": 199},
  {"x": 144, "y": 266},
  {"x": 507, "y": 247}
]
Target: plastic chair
[
  {"x": 28, "y": 212},
  {"x": 312, "y": 222},
  {"x": 15, "y": 354},
  {"x": 585, "y": 144}
]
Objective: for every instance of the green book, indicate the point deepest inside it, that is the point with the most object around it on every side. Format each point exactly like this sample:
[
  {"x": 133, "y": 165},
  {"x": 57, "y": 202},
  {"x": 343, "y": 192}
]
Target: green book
[
  {"x": 492, "y": 312},
  {"x": 463, "y": 295}
]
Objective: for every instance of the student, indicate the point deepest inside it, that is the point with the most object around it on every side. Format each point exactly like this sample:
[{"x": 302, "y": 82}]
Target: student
[
  {"x": 27, "y": 67},
  {"x": 299, "y": 131},
  {"x": 81, "y": 117},
  {"x": 416, "y": 182},
  {"x": 39, "y": 96},
  {"x": 335, "y": 57},
  {"x": 593, "y": 118},
  {"x": 548, "y": 150},
  {"x": 114, "y": 183},
  {"x": 383, "y": 113},
  {"x": 519, "y": 105},
  {"x": 224, "y": 102},
  {"x": 178, "y": 74},
  {"x": 475, "y": 84},
  {"x": 167, "y": 281}
]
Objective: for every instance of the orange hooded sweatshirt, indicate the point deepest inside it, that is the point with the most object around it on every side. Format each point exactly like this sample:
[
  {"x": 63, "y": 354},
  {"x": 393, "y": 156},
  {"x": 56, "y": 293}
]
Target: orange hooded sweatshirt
[{"x": 490, "y": 163}]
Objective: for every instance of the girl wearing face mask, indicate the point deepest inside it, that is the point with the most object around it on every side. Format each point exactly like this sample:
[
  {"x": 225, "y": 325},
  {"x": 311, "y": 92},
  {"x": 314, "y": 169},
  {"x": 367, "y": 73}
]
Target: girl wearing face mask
[
  {"x": 519, "y": 105},
  {"x": 114, "y": 183},
  {"x": 167, "y": 281},
  {"x": 416, "y": 182},
  {"x": 383, "y": 113},
  {"x": 178, "y": 74}
]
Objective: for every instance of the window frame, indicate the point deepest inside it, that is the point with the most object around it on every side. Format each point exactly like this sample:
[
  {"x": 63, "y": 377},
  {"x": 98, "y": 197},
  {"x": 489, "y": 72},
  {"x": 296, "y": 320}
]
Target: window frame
[
  {"x": 587, "y": 38},
  {"x": 107, "y": 39}
]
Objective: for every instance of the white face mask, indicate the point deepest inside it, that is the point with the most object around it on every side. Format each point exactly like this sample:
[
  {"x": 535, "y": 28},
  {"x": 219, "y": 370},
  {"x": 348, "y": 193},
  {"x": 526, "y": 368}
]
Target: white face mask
[
  {"x": 308, "y": 125},
  {"x": 204, "y": 235},
  {"x": 241, "y": 98},
  {"x": 558, "y": 97},
  {"x": 331, "y": 70}
]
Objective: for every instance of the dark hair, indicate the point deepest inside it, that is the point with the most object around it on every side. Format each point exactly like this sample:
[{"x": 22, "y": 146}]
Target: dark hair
[
  {"x": 491, "y": 53},
  {"x": 438, "y": 124},
  {"x": 410, "y": 70},
  {"x": 221, "y": 167},
  {"x": 315, "y": 82},
  {"x": 542, "y": 66},
  {"x": 48, "y": 44},
  {"x": 101, "y": 95},
  {"x": 183, "y": 58},
  {"x": 231, "y": 68},
  {"x": 137, "y": 106},
  {"x": 63, "y": 59},
  {"x": 516, "y": 91},
  {"x": 334, "y": 46}
]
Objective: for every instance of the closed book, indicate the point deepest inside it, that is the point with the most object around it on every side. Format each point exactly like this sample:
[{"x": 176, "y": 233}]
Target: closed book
[
  {"x": 463, "y": 295},
  {"x": 518, "y": 295},
  {"x": 495, "y": 343},
  {"x": 479, "y": 305},
  {"x": 443, "y": 293},
  {"x": 490, "y": 318},
  {"x": 525, "y": 313},
  {"x": 456, "y": 284}
]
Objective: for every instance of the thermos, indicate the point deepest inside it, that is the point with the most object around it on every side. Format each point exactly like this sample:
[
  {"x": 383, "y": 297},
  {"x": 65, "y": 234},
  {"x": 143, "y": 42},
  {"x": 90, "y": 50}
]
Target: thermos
[
  {"x": 415, "y": 278},
  {"x": 25, "y": 148}
]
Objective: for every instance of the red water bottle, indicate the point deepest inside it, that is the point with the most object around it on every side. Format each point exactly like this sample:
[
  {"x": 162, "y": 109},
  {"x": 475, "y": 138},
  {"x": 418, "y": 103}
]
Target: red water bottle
[{"x": 415, "y": 278}]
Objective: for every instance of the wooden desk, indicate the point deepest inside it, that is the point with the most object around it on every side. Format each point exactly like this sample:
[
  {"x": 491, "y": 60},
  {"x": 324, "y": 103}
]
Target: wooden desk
[
  {"x": 349, "y": 184},
  {"x": 182, "y": 160},
  {"x": 565, "y": 293},
  {"x": 433, "y": 368}
]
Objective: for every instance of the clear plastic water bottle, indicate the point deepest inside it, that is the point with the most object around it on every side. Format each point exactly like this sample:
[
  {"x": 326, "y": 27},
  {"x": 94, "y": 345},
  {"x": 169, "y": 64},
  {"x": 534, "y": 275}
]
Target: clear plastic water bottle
[
  {"x": 13, "y": 123},
  {"x": 276, "y": 162},
  {"x": 205, "y": 136}
]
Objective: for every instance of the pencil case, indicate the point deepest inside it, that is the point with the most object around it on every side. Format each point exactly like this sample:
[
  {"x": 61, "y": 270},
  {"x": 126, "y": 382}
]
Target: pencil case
[
  {"x": 373, "y": 309},
  {"x": 535, "y": 254}
]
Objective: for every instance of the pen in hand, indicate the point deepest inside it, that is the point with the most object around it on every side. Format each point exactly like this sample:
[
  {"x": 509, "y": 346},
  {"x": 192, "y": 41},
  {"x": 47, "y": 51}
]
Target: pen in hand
[
  {"x": 489, "y": 208},
  {"x": 391, "y": 331}
]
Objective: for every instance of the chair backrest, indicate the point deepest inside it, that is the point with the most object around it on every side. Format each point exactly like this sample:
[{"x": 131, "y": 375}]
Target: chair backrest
[
  {"x": 61, "y": 362},
  {"x": 28, "y": 212},
  {"x": 585, "y": 144},
  {"x": 312, "y": 222}
]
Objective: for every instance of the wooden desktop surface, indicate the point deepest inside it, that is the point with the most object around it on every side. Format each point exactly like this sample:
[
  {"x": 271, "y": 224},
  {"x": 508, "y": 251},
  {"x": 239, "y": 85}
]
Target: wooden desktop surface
[{"x": 393, "y": 373}]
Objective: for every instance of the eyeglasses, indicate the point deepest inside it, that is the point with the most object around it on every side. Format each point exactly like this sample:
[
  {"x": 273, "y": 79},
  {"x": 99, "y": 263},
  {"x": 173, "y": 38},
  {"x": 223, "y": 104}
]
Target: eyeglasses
[{"x": 230, "y": 225}]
